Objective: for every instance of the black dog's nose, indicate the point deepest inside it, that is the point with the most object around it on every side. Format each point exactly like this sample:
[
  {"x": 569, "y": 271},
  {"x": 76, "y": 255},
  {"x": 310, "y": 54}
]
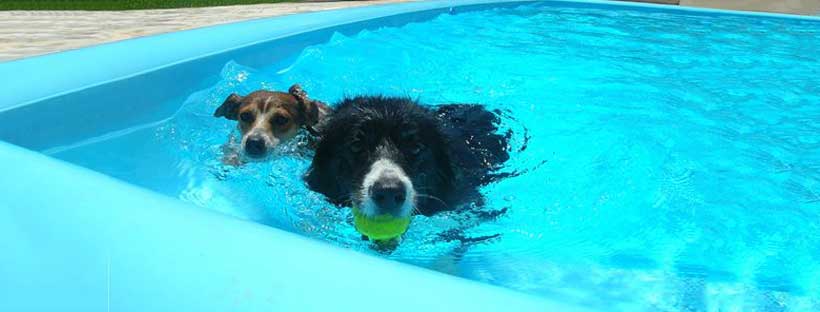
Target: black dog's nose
[
  {"x": 255, "y": 146},
  {"x": 389, "y": 195}
]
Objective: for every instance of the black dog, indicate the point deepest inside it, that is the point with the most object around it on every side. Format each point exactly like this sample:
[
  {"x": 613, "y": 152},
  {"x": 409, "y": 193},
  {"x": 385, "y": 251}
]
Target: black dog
[{"x": 390, "y": 155}]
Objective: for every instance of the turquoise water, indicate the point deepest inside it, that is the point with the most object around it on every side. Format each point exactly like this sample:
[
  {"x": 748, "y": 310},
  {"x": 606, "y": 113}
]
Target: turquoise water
[{"x": 670, "y": 162}]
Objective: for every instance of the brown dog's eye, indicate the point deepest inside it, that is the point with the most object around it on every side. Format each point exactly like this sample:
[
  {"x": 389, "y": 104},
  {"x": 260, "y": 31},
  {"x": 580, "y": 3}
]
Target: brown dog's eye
[
  {"x": 279, "y": 120},
  {"x": 246, "y": 117}
]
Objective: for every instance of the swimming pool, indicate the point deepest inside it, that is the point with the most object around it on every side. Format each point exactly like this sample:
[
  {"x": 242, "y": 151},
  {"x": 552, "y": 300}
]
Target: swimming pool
[{"x": 668, "y": 159}]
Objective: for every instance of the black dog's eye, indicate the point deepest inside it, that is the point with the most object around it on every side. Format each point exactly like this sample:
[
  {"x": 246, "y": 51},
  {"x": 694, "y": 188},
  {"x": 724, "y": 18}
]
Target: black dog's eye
[
  {"x": 409, "y": 134},
  {"x": 416, "y": 149},
  {"x": 279, "y": 120},
  {"x": 410, "y": 140},
  {"x": 356, "y": 141},
  {"x": 247, "y": 117},
  {"x": 355, "y": 148}
]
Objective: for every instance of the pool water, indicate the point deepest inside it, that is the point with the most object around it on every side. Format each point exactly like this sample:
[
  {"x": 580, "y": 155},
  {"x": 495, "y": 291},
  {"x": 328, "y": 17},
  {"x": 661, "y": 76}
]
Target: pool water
[{"x": 669, "y": 161}]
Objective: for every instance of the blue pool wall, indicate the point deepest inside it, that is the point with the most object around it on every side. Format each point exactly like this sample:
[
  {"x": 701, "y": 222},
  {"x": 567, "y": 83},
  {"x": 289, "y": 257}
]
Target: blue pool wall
[{"x": 77, "y": 240}]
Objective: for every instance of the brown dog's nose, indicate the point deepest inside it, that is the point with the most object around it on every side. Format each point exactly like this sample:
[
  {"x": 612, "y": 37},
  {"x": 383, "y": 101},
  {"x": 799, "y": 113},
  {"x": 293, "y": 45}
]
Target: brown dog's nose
[
  {"x": 255, "y": 147},
  {"x": 389, "y": 195}
]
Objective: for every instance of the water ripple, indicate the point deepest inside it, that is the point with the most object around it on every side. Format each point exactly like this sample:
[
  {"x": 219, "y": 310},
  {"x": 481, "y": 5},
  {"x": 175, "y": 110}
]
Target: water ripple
[{"x": 665, "y": 162}]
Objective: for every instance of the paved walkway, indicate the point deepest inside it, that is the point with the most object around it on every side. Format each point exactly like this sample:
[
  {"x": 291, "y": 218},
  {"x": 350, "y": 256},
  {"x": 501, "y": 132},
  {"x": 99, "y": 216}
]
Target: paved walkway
[
  {"x": 29, "y": 33},
  {"x": 805, "y": 7}
]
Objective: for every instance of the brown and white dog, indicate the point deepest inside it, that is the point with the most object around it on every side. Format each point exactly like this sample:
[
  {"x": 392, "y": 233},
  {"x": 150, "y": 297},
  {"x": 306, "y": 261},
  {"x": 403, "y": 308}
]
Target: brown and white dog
[{"x": 268, "y": 118}]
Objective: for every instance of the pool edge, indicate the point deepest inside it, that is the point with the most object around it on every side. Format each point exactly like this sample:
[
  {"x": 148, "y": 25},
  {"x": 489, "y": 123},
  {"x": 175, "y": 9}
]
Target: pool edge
[{"x": 152, "y": 251}]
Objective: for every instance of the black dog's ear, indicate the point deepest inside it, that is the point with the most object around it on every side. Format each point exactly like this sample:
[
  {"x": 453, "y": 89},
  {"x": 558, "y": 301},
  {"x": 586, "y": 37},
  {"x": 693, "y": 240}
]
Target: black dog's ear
[{"x": 230, "y": 108}]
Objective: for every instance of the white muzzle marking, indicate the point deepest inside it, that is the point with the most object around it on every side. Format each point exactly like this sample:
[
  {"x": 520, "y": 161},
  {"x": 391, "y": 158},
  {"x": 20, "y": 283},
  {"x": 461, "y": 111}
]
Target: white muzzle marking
[{"x": 385, "y": 168}]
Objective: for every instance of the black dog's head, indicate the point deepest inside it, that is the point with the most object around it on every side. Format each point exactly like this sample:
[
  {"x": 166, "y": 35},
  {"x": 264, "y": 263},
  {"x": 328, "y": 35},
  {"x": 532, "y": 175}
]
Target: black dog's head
[{"x": 384, "y": 155}]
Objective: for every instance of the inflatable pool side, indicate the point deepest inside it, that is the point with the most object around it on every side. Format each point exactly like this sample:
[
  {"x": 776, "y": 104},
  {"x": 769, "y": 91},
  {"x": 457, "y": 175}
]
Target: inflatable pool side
[{"x": 76, "y": 240}]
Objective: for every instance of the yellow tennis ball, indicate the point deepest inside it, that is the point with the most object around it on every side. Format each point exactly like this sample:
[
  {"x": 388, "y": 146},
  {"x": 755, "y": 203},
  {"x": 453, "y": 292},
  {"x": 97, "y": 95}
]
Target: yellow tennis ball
[{"x": 382, "y": 227}]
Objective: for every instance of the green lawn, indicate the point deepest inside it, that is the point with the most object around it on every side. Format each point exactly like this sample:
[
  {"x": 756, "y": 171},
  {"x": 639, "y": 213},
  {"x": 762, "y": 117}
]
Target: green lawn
[{"x": 120, "y": 4}]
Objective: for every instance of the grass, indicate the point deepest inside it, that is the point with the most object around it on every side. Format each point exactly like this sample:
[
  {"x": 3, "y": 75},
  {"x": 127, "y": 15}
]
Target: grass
[{"x": 110, "y": 5}]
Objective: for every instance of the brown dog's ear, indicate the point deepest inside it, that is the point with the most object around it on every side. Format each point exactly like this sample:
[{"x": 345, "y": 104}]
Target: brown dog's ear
[
  {"x": 230, "y": 108},
  {"x": 307, "y": 107}
]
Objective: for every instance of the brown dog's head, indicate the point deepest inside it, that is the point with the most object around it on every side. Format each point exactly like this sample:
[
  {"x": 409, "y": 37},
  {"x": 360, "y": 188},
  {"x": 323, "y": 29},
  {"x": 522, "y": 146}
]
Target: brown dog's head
[{"x": 268, "y": 118}]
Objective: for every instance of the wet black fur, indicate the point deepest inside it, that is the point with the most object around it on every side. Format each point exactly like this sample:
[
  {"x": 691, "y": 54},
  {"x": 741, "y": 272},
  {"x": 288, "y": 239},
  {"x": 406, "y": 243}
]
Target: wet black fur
[{"x": 448, "y": 151}]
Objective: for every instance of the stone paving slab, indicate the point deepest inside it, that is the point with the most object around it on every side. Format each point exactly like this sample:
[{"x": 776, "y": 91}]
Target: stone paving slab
[
  {"x": 802, "y": 7},
  {"x": 29, "y": 33}
]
